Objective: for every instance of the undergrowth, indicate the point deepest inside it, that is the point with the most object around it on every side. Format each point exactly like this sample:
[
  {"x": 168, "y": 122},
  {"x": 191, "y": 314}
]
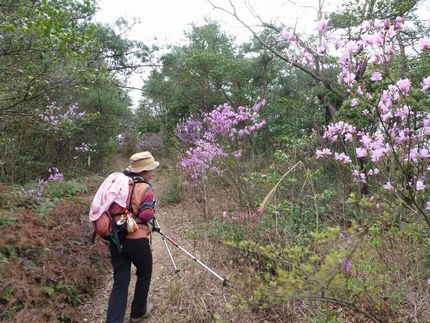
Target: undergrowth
[{"x": 46, "y": 263}]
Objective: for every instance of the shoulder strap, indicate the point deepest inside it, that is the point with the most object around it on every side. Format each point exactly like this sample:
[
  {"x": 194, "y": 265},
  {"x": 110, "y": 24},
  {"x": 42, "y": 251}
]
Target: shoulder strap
[{"x": 130, "y": 193}]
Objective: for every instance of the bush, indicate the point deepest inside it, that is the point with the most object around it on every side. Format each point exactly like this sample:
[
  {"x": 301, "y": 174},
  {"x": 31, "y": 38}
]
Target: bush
[
  {"x": 63, "y": 189},
  {"x": 173, "y": 190}
]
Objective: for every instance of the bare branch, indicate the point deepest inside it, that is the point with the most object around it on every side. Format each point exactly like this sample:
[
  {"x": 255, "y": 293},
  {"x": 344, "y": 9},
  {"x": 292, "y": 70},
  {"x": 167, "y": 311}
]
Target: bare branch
[{"x": 314, "y": 74}]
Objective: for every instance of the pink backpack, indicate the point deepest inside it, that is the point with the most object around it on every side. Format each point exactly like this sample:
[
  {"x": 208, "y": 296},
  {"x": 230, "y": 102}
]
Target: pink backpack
[{"x": 117, "y": 221}]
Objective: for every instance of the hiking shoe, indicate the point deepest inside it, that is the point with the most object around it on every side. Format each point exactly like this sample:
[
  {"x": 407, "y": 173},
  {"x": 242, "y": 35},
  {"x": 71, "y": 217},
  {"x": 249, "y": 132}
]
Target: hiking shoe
[{"x": 149, "y": 309}]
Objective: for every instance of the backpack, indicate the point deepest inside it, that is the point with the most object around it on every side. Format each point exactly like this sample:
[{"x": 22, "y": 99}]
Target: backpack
[{"x": 115, "y": 222}]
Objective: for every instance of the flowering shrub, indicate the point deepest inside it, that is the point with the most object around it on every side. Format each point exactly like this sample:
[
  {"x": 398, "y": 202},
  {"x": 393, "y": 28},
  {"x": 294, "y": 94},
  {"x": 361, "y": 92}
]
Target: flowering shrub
[
  {"x": 190, "y": 131},
  {"x": 218, "y": 136},
  {"x": 53, "y": 174},
  {"x": 57, "y": 116},
  {"x": 340, "y": 270},
  {"x": 391, "y": 151},
  {"x": 151, "y": 141}
]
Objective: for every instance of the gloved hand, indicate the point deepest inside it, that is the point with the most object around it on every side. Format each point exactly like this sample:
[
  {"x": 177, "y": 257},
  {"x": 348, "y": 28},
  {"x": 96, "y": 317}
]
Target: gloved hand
[{"x": 154, "y": 225}]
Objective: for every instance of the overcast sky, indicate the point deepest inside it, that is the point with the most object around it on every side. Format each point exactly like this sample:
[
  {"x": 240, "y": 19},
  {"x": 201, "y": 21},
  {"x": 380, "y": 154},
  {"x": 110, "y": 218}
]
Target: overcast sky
[
  {"x": 164, "y": 21},
  {"x": 167, "y": 20}
]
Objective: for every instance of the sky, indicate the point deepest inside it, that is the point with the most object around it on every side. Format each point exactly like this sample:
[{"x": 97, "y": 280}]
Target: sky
[
  {"x": 164, "y": 21},
  {"x": 167, "y": 20}
]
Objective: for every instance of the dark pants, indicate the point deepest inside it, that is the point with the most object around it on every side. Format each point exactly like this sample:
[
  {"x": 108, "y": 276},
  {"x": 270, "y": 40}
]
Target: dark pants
[{"x": 138, "y": 252}]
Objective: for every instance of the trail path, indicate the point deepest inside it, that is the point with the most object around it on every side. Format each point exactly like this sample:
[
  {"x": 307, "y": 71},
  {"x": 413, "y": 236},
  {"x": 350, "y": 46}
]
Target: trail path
[{"x": 178, "y": 299}]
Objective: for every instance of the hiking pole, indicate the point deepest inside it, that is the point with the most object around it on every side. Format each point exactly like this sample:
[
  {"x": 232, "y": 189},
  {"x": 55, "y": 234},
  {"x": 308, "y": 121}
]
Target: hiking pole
[
  {"x": 224, "y": 281},
  {"x": 156, "y": 225}
]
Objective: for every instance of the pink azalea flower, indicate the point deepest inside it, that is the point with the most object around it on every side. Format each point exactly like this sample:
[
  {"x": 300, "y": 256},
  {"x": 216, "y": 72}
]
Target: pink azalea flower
[
  {"x": 399, "y": 23},
  {"x": 288, "y": 35},
  {"x": 424, "y": 153},
  {"x": 378, "y": 23},
  {"x": 237, "y": 153},
  {"x": 426, "y": 83},
  {"x": 365, "y": 25},
  {"x": 387, "y": 116},
  {"x": 424, "y": 44},
  {"x": 359, "y": 177},
  {"x": 342, "y": 157},
  {"x": 377, "y": 154},
  {"x": 323, "y": 153},
  {"x": 348, "y": 137},
  {"x": 361, "y": 152},
  {"x": 420, "y": 185},
  {"x": 388, "y": 186},
  {"x": 322, "y": 25},
  {"x": 377, "y": 76},
  {"x": 404, "y": 85},
  {"x": 404, "y": 111}
]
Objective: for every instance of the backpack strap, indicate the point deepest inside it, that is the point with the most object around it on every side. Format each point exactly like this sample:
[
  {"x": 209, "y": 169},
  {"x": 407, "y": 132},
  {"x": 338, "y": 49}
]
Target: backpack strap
[
  {"x": 131, "y": 183},
  {"x": 114, "y": 237}
]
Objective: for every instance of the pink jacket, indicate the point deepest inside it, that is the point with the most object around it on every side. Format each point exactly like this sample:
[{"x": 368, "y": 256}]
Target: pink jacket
[{"x": 113, "y": 189}]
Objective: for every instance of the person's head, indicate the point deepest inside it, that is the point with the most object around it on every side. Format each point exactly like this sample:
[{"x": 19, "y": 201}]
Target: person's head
[{"x": 143, "y": 164}]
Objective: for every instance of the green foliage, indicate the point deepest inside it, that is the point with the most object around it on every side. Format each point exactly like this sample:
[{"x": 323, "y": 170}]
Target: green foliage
[
  {"x": 7, "y": 252},
  {"x": 195, "y": 77},
  {"x": 55, "y": 288},
  {"x": 334, "y": 267},
  {"x": 64, "y": 189},
  {"x": 173, "y": 190},
  {"x": 53, "y": 52}
]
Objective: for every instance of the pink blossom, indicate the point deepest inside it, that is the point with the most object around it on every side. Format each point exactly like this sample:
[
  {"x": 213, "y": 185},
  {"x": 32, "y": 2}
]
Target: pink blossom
[
  {"x": 414, "y": 155},
  {"x": 338, "y": 43},
  {"x": 425, "y": 83},
  {"x": 404, "y": 85},
  {"x": 322, "y": 25},
  {"x": 342, "y": 157},
  {"x": 365, "y": 140},
  {"x": 428, "y": 209},
  {"x": 323, "y": 153},
  {"x": 374, "y": 171},
  {"x": 403, "y": 111},
  {"x": 420, "y": 185},
  {"x": 361, "y": 152},
  {"x": 387, "y": 116},
  {"x": 288, "y": 35},
  {"x": 387, "y": 24},
  {"x": 424, "y": 44},
  {"x": 354, "y": 102},
  {"x": 348, "y": 137},
  {"x": 237, "y": 153},
  {"x": 377, "y": 154},
  {"x": 359, "y": 177},
  {"x": 378, "y": 23},
  {"x": 388, "y": 186},
  {"x": 365, "y": 25},
  {"x": 424, "y": 153},
  {"x": 377, "y": 76},
  {"x": 391, "y": 32},
  {"x": 399, "y": 23}
]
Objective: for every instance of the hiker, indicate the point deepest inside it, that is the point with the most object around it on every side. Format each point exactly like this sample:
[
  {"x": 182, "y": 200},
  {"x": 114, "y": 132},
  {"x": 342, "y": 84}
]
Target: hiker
[{"x": 136, "y": 248}]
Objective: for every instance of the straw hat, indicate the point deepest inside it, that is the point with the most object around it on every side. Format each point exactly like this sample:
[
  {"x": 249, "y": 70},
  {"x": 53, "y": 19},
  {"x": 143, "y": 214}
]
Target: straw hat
[{"x": 142, "y": 161}]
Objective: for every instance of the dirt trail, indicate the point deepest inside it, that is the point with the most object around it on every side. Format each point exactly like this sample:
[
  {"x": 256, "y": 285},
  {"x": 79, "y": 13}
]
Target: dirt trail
[{"x": 178, "y": 299}]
